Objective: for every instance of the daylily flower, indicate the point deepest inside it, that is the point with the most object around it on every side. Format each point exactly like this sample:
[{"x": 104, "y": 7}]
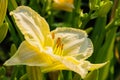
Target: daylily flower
[
  {"x": 66, "y": 5},
  {"x": 60, "y": 49}
]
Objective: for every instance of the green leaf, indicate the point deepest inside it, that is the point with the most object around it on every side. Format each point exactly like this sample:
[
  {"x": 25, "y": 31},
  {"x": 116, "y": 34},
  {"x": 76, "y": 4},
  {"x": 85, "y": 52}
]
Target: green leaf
[
  {"x": 13, "y": 49},
  {"x": 14, "y": 35},
  {"x": 2, "y": 71},
  {"x": 93, "y": 4},
  {"x": 3, "y": 57},
  {"x": 76, "y": 77},
  {"x": 106, "y": 53},
  {"x": 61, "y": 76},
  {"x": 98, "y": 36},
  {"x": 3, "y": 31},
  {"x": 34, "y": 73},
  {"x": 12, "y": 5},
  {"x": 24, "y": 77},
  {"x": 117, "y": 16},
  {"x": 105, "y": 8},
  {"x": 92, "y": 75},
  {"x": 3, "y": 9}
]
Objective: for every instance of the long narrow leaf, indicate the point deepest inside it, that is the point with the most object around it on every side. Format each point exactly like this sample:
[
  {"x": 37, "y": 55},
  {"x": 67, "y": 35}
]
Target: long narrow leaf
[
  {"x": 3, "y": 31},
  {"x": 3, "y": 9},
  {"x": 92, "y": 75}
]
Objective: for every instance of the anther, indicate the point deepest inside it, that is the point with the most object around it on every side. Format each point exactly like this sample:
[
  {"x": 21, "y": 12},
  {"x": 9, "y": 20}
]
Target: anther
[
  {"x": 58, "y": 42},
  {"x": 58, "y": 48},
  {"x": 53, "y": 35},
  {"x": 61, "y": 46}
]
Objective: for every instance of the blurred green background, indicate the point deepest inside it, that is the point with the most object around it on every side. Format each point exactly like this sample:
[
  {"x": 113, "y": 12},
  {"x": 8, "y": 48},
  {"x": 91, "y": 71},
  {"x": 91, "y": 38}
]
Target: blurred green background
[{"x": 99, "y": 18}]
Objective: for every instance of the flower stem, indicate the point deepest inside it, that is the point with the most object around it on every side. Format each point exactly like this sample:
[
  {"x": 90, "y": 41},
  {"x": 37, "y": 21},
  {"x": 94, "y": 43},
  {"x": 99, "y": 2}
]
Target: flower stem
[{"x": 34, "y": 73}]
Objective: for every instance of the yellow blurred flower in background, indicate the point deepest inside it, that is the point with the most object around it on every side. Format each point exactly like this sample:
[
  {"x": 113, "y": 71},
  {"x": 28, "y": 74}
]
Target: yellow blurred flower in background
[
  {"x": 60, "y": 49},
  {"x": 66, "y": 5}
]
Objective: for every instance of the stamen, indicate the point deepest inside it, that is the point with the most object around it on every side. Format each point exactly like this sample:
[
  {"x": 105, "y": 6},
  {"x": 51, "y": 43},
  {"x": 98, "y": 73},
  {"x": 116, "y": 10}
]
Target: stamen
[
  {"x": 61, "y": 51},
  {"x": 58, "y": 48},
  {"x": 53, "y": 35},
  {"x": 58, "y": 42},
  {"x": 61, "y": 46}
]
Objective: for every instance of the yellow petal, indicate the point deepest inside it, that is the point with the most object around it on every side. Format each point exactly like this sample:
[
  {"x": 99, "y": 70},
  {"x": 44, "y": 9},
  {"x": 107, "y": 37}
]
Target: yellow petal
[
  {"x": 75, "y": 42},
  {"x": 68, "y": 63},
  {"x": 33, "y": 26},
  {"x": 96, "y": 66},
  {"x": 54, "y": 67},
  {"x": 66, "y": 5},
  {"x": 64, "y": 1},
  {"x": 29, "y": 55}
]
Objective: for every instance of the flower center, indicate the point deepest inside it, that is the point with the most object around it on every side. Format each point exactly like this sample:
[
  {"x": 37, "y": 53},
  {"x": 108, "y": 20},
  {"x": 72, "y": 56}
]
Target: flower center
[{"x": 58, "y": 47}]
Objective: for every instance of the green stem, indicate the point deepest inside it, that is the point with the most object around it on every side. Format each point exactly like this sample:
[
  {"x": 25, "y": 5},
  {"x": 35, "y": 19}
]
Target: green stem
[
  {"x": 114, "y": 9},
  {"x": 34, "y": 73},
  {"x": 86, "y": 20},
  {"x": 76, "y": 14}
]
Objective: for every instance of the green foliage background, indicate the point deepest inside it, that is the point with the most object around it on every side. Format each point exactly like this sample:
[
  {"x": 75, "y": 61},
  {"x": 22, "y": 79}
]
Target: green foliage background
[{"x": 100, "y": 19}]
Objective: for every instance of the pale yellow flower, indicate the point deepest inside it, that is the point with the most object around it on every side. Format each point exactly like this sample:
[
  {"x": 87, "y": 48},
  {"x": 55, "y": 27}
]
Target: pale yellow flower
[
  {"x": 66, "y": 5},
  {"x": 61, "y": 49}
]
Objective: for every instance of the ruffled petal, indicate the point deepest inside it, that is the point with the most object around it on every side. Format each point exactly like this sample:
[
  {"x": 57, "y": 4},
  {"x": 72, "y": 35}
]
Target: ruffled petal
[
  {"x": 75, "y": 42},
  {"x": 33, "y": 26},
  {"x": 29, "y": 55},
  {"x": 68, "y": 63},
  {"x": 96, "y": 66}
]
